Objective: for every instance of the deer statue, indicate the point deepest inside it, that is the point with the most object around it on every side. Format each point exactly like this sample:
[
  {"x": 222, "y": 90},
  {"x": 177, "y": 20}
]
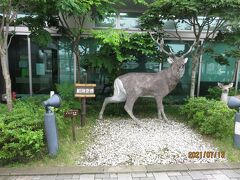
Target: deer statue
[
  {"x": 130, "y": 86},
  {"x": 225, "y": 91}
]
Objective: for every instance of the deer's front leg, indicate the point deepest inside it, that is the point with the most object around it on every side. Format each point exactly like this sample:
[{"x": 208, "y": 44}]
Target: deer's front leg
[{"x": 160, "y": 108}]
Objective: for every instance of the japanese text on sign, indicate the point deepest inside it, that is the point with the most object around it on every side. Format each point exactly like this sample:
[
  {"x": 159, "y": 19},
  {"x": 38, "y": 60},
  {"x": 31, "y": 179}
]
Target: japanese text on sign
[{"x": 85, "y": 90}]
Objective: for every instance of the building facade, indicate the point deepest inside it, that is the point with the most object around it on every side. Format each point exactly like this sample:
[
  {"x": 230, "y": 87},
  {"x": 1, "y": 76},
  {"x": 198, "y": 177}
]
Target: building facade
[{"x": 36, "y": 70}]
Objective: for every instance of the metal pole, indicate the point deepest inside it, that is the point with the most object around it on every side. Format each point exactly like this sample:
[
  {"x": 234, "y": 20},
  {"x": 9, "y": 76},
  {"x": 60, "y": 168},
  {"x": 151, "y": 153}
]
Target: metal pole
[
  {"x": 30, "y": 66},
  {"x": 199, "y": 75},
  {"x": 75, "y": 67},
  {"x": 73, "y": 128},
  {"x": 83, "y": 110},
  {"x": 237, "y": 77}
]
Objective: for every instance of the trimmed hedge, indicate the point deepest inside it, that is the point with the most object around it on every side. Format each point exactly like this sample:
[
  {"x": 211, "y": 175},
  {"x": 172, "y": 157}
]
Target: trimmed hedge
[
  {"x": 21, "y": 132},
  {"x": 209, "y": 117}
]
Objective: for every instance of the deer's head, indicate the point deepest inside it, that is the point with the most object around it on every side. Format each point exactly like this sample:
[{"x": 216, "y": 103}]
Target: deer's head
[
  {"x": 225, "y": 88},
  {"x": 177, "y": 65}
]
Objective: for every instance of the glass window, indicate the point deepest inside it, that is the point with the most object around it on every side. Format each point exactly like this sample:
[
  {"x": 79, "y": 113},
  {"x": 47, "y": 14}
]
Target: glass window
[
  {"x": 66, "y": 63},
  {"x": 108, "y": 21},
  {"x": 180, "y": 25},
  {"x": 129, "y": 20},
  {"x": 44, "y": 68},
  {"x": 18, "y": 64},
  {"x": 212, "y": 72}
]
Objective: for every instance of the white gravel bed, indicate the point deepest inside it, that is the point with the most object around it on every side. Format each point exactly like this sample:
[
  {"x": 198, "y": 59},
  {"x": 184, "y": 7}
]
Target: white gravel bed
[{"x": 121, "y": 142}]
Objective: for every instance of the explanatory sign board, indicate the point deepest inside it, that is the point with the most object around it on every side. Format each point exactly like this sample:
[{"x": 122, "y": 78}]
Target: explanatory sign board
[{"x": 85, "y": 90}]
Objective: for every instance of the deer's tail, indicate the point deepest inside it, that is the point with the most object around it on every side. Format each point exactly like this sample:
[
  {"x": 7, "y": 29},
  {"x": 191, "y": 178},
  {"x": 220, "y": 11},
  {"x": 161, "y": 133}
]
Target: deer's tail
[{"x": 118, "y": 88}]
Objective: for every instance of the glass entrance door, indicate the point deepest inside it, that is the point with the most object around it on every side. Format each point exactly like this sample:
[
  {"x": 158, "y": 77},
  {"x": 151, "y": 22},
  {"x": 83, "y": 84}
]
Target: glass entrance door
[{"x": 44, "y": 69}]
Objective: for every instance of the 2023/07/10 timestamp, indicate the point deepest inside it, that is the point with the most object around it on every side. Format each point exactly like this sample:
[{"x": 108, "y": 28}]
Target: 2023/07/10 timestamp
[{"x": 206, "y": 154}]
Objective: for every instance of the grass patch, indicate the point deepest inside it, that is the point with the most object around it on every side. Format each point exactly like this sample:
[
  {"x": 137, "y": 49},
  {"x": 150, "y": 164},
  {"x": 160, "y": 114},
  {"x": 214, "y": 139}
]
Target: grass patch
[{"x": 226, "y": 145}]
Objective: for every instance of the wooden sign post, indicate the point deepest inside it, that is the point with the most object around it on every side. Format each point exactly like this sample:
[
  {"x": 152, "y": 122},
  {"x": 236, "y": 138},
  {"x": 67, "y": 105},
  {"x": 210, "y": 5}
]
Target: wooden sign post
[
  {"x": 84, "y": 91},
  {"x": 72, "y": 114}
]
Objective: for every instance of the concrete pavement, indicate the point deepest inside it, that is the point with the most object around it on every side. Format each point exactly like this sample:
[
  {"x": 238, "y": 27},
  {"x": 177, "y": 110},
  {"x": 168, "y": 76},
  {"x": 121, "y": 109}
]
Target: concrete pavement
[{"x": 224, "y": 171}]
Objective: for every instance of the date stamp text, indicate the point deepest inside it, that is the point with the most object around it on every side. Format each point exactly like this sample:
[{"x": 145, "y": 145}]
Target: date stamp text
[{"x": 206, "y": 154}]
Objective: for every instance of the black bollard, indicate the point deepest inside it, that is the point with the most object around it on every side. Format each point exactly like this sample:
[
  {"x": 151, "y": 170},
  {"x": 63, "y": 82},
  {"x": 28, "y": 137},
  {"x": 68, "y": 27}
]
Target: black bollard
[
  {"x": 237, "y": 130},
  {"x": 50, "y": 124},
  {"x": 51, "y": 133}
]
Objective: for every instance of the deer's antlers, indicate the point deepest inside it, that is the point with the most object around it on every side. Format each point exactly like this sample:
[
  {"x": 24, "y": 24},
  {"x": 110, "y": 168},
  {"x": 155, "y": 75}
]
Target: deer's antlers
[
  {"x": 190, "y": 49},
  {"x": 161, "y": 45}
]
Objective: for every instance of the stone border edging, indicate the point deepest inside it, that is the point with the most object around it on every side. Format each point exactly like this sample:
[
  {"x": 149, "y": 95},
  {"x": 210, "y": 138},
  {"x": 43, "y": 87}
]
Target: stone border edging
[{"x": 115, "y": 169}]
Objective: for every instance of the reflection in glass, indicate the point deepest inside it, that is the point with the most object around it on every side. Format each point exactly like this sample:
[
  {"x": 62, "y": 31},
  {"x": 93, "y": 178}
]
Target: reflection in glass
[
  {"x": 108, "y": 21},
  {"x": 129, "y": 20},
  {"x": 18, "y": 64}
]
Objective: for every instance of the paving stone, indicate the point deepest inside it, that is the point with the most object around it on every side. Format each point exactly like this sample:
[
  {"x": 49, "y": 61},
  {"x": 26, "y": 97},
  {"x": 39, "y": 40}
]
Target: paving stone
[
  {"x": 139, "y": 175},
  {"x": 113, "y": 175},
  {"x": 173, "y": 178},
  {"x": 174, "y": 174},
  {"x": 184, "y": 178},
  {"x": 231, "y": 173},
  {"x": 164, "y": 168},
  {"x": 184, "y": 174},
  {"x": 197, "y": 175},
  {"x": 60, "y": 177},
  {"x": 209, "y": 176},
  {"x": 23, "y": 178},
  {"x": 86, "y": 177},
  {"x": 36, "y": 178},
  {"x": 76, "y": 176},
  {"x": 147, "y": 178},
  {"x": 136, "y": 178},
  {"x": 211, "y": 172},
  {"x": 220, "y": 177},
  {"x": 124, "y": 176},
  {"x": 149, "y": 174},
  {"x": 53, "y": 177},
  {"x": 109, "y": 178},
  {"x": 101, "y": 176},
  {"x": 161, "y": 176}
]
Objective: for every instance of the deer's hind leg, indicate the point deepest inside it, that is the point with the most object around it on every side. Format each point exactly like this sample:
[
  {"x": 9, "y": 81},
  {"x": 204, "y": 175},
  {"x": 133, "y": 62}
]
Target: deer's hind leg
[{"x": 113, "y": 99}]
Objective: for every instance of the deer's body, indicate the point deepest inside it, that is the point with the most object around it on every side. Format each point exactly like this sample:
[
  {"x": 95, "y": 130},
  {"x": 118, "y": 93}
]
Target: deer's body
[{"x": 129, "y": 87}]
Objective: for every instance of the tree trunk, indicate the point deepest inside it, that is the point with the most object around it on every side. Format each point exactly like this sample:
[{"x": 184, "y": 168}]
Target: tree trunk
[
  {"x": 195, "y": 63},
  {"x": 77, "y": 53},
  {"x": 5, "y": 72}
]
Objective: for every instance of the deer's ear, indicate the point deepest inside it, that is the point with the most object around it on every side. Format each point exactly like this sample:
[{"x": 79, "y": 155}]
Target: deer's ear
[
  {"x": 230, "y": 85},
  {"x": 220, "y": 85},
  {"x": 170, "y": 60},
  {"x": 185, "y": 60}
]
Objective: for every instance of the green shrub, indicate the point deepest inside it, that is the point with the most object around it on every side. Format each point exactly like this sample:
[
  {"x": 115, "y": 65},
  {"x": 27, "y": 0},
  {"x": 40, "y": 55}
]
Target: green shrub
[
  {"x": 210, "y": 117},
  {"x": 21, "y": 132},
  {"x": 66, "y": 92}
]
